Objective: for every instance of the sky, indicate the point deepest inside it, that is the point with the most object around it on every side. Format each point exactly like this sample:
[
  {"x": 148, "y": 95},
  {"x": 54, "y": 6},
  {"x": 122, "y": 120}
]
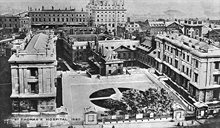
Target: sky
[{"x": 189, "y": 7}]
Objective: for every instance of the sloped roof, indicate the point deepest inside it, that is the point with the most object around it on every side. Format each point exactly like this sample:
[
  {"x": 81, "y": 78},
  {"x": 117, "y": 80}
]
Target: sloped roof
[
  {"x": 122, "y": 47},
  {"x": 118, "y": 43},
  {"x": 156, "y": 23},
  {"x": 171, "y": 22},
  {"x": 39, "y": 49},
  {"x": 37, "y": 43}
]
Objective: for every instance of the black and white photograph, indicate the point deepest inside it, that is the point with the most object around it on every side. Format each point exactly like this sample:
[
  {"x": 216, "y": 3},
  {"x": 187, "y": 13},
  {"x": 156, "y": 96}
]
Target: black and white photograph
[{"x": 109, "y": 63}]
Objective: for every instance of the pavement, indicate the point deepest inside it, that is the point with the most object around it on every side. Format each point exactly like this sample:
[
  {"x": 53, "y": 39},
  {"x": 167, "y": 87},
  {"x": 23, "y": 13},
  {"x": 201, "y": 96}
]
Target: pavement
[
  {"x": 77, "y": 88},
  {"x": 171, "y": 92}
]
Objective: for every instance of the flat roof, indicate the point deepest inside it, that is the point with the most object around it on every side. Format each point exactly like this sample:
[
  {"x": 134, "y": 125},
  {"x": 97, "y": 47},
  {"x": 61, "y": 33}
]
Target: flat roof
[{"x": 203, "y": 49}]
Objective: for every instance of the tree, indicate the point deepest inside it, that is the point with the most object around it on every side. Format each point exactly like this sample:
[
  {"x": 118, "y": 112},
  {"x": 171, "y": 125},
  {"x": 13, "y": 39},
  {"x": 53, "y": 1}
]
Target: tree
[
  {"x": 148, "y": 100},
  {"x": 114, "y": 106}
]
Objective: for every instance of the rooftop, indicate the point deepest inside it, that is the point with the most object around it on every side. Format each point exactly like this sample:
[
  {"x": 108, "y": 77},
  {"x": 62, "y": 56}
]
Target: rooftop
[
  {"x": 156, "y": 23},
  {"x": 171, "y": 22},
  {"x": 40, "y": 48},
  {"x": 117, "y": 43},
  {"x": 201, "y": 47}
]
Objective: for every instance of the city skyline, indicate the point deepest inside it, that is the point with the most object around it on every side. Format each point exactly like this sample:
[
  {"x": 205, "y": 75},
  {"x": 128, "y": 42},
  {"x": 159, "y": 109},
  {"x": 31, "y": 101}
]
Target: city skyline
[{"x": 188, "y": 8}]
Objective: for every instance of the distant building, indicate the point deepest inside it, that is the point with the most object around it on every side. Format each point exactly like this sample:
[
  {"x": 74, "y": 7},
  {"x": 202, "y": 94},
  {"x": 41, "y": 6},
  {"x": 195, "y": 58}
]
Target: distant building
[
  {"x": 57, "y": 17},
  {"x": 132, "y": 26},
  {"x": 33, "y": 76},
  {"x": 25, "y": 24},
  {"x": 110, "y": 56},
  {"x": 124, "y": 48},
  {"x": 78, "y": 30},
  {"x": 6, "y": 47},
  {"x": 214, "y": 34},
  {"x": 111, "y": 13},
  {"x": 193, "y": 28},
  {"x": 157, "y": 27},
  {"x": 80, "y": 51},
  {"x": 173, "y": 26},
  {"x": 10, "y": 23}
]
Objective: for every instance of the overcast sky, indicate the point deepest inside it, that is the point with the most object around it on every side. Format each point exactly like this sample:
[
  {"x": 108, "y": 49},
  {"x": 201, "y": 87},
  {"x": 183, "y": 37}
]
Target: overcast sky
[{"x": 191, "y": 7}]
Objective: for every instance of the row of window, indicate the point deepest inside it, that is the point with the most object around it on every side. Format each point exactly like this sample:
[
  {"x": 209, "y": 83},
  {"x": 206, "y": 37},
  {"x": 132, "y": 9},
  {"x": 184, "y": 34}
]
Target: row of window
[
  {"x": 110, "y": 65},
  {"x": 8, "y": 19},
  {"x": 109, "y": 15},
  {"x": 73, "y": 15},
  {"x": 110, "y": 7},
  {"x": 9, "y": 25},
  {"x": 110, "y": 12},
  {"x": 80, "y": 47},
  {"x": 184, "y": 69},
  {"x": 110, "y": 20},
  {"x": 128, "y": 46},
  {"x": 132, "y": 29},
  {"x": 59, "y": 19},
  {"x": 132, "y": 25},
  {"x": 176, "y": 52},
  {"x": 196, "y": 31},
  {"x": 106, "y": 4}
]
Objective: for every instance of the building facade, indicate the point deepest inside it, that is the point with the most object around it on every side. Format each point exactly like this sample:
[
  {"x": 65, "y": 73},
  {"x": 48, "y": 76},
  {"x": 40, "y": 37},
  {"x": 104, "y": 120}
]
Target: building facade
[
  {"x": 25, "y": 23},
  {"x": 214, "y": 34},
  {"x": 10, "y": 23},
  {"x": 111, "y": 13},
  {"x": 33, "y": 76},
  {"x": 192, "y": 64},
  {"x": 57, "y": 17},
  {"x": 80, "y": 51},
  {"x": 193, "y": 28},
  {"x": 110, "y": 56},
  {"x": 173, "y": 26},
  {"x": 132, "y": 26},
  {"x": 157, "y": 27}
]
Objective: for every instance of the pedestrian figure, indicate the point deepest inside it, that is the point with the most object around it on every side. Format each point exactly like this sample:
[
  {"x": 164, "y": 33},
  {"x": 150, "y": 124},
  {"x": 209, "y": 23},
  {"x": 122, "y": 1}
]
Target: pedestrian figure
[{"x": 113, "y": 126}]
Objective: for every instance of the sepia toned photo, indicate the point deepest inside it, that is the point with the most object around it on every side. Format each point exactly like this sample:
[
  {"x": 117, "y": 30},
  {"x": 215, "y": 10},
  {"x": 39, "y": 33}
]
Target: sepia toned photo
[{"x": 109, "y": 63}]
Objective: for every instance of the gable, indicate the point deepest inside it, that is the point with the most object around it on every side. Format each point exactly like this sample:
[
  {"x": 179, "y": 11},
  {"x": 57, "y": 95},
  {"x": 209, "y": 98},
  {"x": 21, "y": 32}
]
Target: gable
[
  {"x": 174, "y": 25},
  {"x": 122, "y": 49}
]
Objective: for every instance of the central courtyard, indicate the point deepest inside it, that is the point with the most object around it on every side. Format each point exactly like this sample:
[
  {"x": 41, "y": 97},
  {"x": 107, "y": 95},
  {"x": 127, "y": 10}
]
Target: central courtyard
[{"x": 78, "y": 89}]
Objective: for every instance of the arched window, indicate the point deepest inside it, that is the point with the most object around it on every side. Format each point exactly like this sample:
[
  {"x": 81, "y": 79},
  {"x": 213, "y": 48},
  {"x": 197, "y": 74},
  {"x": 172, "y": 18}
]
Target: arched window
[
  {"x": 187, "y": 31},
  {"x": 197, "y": 31}
]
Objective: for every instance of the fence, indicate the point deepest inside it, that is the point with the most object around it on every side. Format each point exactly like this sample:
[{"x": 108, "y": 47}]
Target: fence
[{"x": 132, "y": 118}]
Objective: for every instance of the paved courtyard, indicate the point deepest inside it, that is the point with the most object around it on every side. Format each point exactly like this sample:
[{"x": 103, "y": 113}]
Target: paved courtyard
[{"x": 77, "y": 88}]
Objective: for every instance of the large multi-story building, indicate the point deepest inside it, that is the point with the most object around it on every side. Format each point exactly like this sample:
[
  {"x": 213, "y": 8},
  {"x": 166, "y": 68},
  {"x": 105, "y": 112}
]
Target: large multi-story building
[
  {"x": 109, "y": 57},
  {"x": 33, "y": 76},
  {"x": 10, "y": 23},
  {"x": 157, "y": 27},
  {"x": 192, "y": 64},
  {"x": 132, "y": 26},
  {"x": 57, "y": 17},
  {"x": 25, "y": 23},
  {"x": 111, "y": 13}
]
